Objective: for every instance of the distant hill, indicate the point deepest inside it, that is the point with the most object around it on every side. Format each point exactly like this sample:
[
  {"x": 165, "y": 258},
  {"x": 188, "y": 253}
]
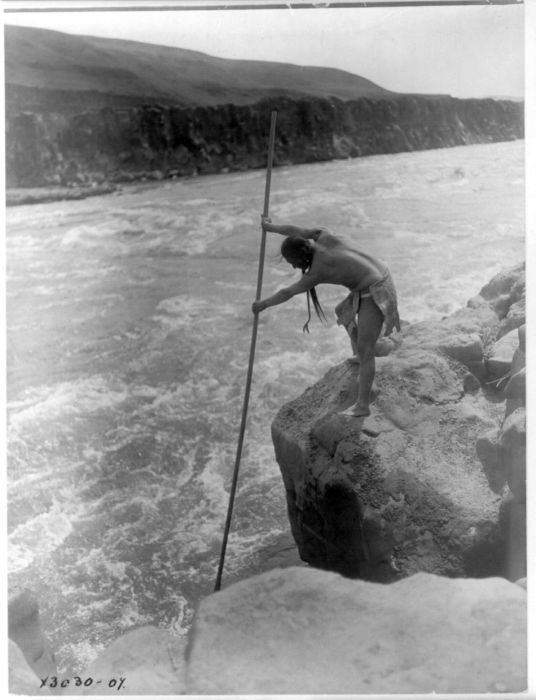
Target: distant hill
[
  {"x": 85, "y": 111},
  {"x": 133, "y": 72}
]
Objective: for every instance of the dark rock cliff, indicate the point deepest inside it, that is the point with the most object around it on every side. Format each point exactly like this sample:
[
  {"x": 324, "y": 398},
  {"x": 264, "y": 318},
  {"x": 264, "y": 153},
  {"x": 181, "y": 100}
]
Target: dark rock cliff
[{"x": 153, "y": 141}]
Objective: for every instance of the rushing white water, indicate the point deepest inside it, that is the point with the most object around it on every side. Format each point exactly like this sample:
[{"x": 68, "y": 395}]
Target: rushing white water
[{"x": 129, "y": 325}]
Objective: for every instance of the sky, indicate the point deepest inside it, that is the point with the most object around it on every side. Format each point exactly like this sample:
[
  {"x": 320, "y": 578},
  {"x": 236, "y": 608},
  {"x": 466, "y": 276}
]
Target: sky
[{"x": 472, "y": 51}]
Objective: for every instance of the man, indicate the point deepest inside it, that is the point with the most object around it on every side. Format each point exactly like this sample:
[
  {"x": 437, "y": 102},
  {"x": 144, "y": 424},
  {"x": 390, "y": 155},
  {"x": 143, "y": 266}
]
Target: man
[{"x": 327, "y": 259}]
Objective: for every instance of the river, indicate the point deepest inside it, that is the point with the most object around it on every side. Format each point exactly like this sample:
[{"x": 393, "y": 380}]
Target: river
[{"x": 128, "y": 330}]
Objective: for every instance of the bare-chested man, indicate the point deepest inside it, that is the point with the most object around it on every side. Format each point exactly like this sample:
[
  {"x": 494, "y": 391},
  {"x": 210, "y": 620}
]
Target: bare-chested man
[{"x": 325, "y": 258}]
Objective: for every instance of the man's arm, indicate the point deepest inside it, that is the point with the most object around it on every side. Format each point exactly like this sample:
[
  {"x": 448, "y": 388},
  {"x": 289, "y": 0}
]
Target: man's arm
[
  {"x": 303, "y": 285},
  {"x": 290, "y": 230}
]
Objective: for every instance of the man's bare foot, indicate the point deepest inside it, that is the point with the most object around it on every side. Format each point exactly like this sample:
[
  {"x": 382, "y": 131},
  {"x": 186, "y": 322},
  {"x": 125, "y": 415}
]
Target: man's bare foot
[{"x": 357, "y": 410}]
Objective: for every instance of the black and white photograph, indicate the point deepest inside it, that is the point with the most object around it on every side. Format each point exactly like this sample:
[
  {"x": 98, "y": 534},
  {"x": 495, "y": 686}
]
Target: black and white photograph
[{"x": 265, "y": 347}]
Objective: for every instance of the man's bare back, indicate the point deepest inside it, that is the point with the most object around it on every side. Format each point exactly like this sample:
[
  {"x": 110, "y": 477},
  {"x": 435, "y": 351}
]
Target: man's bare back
[{"x": 336, "y": 262}]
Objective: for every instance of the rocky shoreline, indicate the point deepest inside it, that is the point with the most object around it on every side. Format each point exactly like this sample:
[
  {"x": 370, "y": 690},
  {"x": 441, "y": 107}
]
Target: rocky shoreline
[
  {"x": 428, "y": 496},
  {"x": 39, "y": 195},
  {"x": 97, "y": 147},
  {"x": 434, "y": 480}
]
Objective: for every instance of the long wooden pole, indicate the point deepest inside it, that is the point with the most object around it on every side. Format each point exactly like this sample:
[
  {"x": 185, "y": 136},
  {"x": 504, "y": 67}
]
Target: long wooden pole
[{"x": 251, "y": 355}]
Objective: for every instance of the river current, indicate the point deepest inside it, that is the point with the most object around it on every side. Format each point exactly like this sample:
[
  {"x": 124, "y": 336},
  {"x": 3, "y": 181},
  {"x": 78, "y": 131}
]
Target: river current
[{"x": 128, "y": 331}]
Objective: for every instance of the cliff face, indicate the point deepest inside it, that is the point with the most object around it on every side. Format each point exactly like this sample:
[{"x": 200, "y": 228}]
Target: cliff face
[
  {"x": 120, "y": 144},
  {"x": 434, "y": 480}
]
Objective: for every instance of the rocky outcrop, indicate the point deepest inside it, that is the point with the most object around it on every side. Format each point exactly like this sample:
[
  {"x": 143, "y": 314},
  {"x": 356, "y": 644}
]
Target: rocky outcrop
[
  {"x": 23, "y": 680},
  {"x": 404, "y": 490},
  {"x": 303, "y": 631},
  {"x": 150, "y": 661},
  {"x": 24, "y": 629},
  {"x": 153, "y": 141},
  {"x": 503, "y": 453},
  {"x": 300, "y": 630},
  {"x": 145, "y": 661}
]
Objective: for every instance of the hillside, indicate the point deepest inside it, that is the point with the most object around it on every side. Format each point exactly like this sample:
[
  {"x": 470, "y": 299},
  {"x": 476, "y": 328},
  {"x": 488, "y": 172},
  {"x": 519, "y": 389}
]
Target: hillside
[
  {"x": 132, "y": 72},
  {"x": 87, "y": 112}
]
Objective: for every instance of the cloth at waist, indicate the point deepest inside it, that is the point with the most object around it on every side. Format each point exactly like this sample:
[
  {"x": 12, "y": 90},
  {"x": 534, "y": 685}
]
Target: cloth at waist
[{"x": 383, "y": 294}]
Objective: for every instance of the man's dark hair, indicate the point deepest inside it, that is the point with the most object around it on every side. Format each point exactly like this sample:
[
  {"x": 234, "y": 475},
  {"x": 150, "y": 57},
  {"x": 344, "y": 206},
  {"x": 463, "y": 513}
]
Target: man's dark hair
[{"x": 299, "y": 252}]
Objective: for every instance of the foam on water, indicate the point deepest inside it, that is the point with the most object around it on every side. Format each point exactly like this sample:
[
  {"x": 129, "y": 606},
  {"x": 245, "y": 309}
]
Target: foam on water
[
  {"x": 268, "y": 369},
  {"x": 186, "y": 310},
  {"x": 38, "y": 537},
  {"x": 87, "y": 236},
  {"x": 86, "y": 651},
  {"x": 121, "y": 450},
  {"x": 66, "y": 399}
]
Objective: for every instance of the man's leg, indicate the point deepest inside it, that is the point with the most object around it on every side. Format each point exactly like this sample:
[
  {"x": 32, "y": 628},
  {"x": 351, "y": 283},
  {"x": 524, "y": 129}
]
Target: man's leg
[
  {"x": 351, "y": 329},
  {"x": 346, "y": 317},
  {"x": 370, "y": 322}
]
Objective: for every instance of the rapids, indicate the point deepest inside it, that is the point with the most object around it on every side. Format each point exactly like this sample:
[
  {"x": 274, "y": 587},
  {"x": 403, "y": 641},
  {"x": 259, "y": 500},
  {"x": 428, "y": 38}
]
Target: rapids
[{"x": 128, "y": 330}]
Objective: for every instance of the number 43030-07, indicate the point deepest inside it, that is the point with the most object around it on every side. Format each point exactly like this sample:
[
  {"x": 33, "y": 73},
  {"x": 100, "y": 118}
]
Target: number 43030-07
[{"x": 55, "y": 682}]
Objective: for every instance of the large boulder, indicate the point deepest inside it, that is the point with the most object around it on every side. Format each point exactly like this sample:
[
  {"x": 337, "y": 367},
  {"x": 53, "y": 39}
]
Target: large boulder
[
  {"x": 400, "y": 492},
  {"x": 300, "y": 630},
  {"x": 501, "y": 354},
  {"x": 148, "y": 660},
  {"x": 509, "y": 284},
  {"x": 506, "y": 294},
  {"x": 24, "y": 628},
  {"x": 503, "y": 455},
  {"x": 513, "y": 516},
  {"x": 22, "y": 679},
  {"x": 515, "y": 387},
  {"x": 403, "y": 490},
  {"x": 303, "y": 631},
  {"x": 513, "y": 440}
]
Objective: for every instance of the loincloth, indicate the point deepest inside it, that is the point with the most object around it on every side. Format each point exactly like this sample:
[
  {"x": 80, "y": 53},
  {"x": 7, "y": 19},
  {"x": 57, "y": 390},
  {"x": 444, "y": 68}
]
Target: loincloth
[{"x": 383, "y": 293}]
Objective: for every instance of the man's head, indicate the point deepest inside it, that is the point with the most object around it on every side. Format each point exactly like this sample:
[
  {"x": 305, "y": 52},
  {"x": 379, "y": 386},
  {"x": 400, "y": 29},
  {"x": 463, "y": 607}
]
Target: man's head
[{"x": 298, "y": 252}]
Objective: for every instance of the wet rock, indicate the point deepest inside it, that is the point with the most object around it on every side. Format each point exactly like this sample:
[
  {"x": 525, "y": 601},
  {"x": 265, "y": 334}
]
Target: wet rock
[
  {"x": 466, "y": 348},
  {"x": 22, "y": 679},
  {"x": 406, "y": 475},
  {"x": 521, "y": 331},
  {"x": 477, "y": 370},
  {"x": 149, "y": 659},
  {"x": 384, "y": 347},
  {"x": 501, "y": 305},
  {"x": 516, "y": 386},
  {"x": 24, "y": 628},
  {"x": 476, "y": 302},
  {"x": 513, "y": 529},
  {"x": 502, "y": 352},
  {"x": 503, "y": 283},
  {"x": 316, "y": 632},
  {"x": 513, "y": 441},
  {"x": 471, "y": 383},
  {"x": 491, "y": 454},
  {"x": 514, "y": 318},
  {"x": 506, "y": 294}
]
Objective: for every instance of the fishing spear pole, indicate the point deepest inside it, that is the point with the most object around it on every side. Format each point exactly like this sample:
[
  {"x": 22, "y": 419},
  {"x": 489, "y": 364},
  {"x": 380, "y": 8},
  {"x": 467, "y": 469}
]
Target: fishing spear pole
[{"x": 253, "y": 343}]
